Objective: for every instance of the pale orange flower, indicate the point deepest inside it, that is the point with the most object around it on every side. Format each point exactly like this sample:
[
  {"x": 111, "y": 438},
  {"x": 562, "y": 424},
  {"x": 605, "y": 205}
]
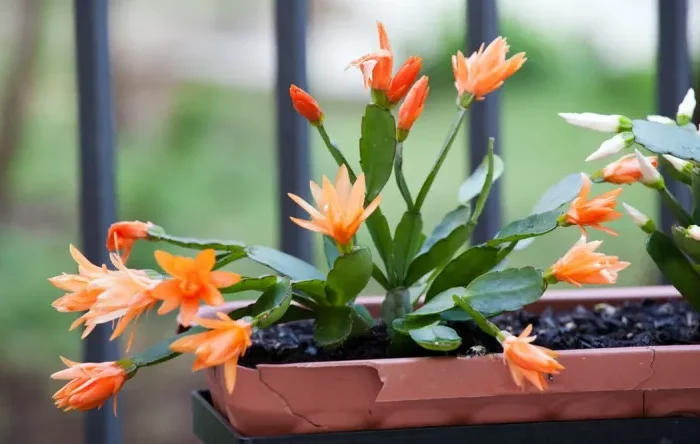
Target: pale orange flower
[
  {"x": 486, "y": 69},
  {"x": 79, "y": 296},
  {"x": 105, "y": 295},
  {"x": 122, "y": 236},
  {"x": 193, "y": 281},
  {"x": 594, "y": 212},
  {"x": 528, "y": 362},
  {"x": 224, "y": 342},
  {"x": 305, "y": 105},
  {"x": 582, "y": 265},
  {"x": 625, "y": 170},
  {"x": 404, "y": 78},
  {"x": 339, "y": 209},
  {"x": 412, "y": 107},
  {"x": 90, "y": 386}
]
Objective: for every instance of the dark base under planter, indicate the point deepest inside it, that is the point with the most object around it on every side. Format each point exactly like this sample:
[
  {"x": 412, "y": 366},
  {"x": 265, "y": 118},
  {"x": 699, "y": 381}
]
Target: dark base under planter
[{"x": 212, "y": 428}]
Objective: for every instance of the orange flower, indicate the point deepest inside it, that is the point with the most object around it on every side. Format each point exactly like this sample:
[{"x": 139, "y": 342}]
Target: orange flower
[
  {"x": 625, "y": 169},
  {"x": 412, "y": 107},
  {"x": 105, "y": 295},
  {"x": 305, "y": 105},
  {"x": 339, "y": 209},
  {"x": 403, "y": 79},
  {"x": 90, "y": 386},
  {"x": 193, "y": 280},
  {"x": 122, "y": 235},
  {"x": 226, "y": 340},
  {"x": 485, "y": 70},
  {"x": 527, "y": 361},
  {"x": 582, "y": 265},
  {"x": 583, "y": 212}
]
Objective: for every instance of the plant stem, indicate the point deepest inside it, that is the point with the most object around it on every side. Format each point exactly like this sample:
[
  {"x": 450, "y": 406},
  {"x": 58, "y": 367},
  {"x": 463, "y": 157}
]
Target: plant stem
[
  {"x": 335, "y": 151},
  {"x": 484, "y": 324},
  {"x": 400, "y": 179},
  {"x": 456, "y": 124},
  {"x": 676, "y": 208}
]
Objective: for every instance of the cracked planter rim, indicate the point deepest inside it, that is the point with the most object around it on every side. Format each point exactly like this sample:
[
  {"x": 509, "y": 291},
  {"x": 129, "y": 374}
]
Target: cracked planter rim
[{"x": 608, "y": 383}]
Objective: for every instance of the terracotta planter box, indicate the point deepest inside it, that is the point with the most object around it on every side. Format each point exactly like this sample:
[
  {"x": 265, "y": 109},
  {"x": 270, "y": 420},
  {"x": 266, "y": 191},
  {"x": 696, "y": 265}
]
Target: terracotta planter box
[{"x": 613, "y": 383}]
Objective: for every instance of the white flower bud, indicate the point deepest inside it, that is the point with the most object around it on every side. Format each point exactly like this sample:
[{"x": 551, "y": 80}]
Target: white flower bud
[
  {"x": 686, "y": 108},
  {"x": 612, "y": 146},
  {"x": 680, "y": 165},
  {"x": 600, "y": 122},
  {"x": 661, "y": 119},
  {"x": 650, "y": 175},
  {"x": 693, "y": 232},
  {"x": 640, "y": 219}
]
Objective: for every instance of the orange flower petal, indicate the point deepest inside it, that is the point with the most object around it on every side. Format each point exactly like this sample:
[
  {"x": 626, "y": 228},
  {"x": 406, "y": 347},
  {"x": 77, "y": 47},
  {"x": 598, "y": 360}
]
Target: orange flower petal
[{"x": 223, "y": 279}]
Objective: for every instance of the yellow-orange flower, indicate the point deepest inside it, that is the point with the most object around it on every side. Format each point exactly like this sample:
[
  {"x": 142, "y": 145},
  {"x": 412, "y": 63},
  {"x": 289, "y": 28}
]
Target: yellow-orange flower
[
  {"x": 412, "y": 107},
  {"x": 305, "y": 105},
  {"x": 625, "y": 170},
  {"x": 105, "y": 295},
  {"x": 486, "y": 69},
  {"x": 404, "y": 78},
  {"x": 339, "y": 209},
  {"x": 582, "y": 265},
  {"x": 193, "y": 281},
  {"x": 528, "y": 362},
  {"x": 122, "y": 236},
  {"x": 593, "y": 212},
  {"x": 90, "y": 386},
  {"x": 222, "y": 344}
]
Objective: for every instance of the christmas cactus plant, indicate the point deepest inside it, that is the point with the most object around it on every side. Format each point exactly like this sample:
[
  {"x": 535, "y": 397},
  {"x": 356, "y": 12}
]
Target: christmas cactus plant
[
  {"x": 430, "y": 275},
  {"x": 677, "y": 142}
]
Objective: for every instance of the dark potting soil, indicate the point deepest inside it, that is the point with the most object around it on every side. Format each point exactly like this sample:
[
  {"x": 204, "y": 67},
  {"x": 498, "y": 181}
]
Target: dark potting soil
[{"x": 634, "y": 324}]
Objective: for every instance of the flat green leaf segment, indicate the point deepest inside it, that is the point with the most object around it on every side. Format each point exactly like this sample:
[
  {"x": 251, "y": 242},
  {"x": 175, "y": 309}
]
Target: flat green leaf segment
[
  {"x": 475, "y": 183},
  {"x": 687, "y": 244},
  {"x": 436, "y": 337},
  {"x": 273, "y": 303},
  {"x": 157, "y": 233},
  {"x": 529, "y": 227},
  {"x": 407, "y": 242},
  {"x": 283, "y": 263},
  {"x": 675, "y": 267},
  {"x": 333, "y": 325},
  {"x": 463, "y": 269},
  {"x": 349, "y": 276},
  {"x": 445, "y": 240},
  {"x": 560, "y": 194},
  {"x": 377, "y": 148},
  {"x": 663, "y": 138}
]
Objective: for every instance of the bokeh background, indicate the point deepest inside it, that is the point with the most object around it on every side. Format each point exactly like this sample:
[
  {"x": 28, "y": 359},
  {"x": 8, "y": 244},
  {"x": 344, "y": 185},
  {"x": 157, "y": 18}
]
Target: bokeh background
[{"x": 196, "y": 149}]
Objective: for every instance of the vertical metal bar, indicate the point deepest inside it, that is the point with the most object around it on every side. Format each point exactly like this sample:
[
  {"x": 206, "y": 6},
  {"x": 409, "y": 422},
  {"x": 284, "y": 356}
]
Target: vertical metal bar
[
  {"x": 484, "y": 116},
  {"x": 673, "y": 78},
  {"x": 97, "y": 200},
  {"x": 292, "y": 129}
]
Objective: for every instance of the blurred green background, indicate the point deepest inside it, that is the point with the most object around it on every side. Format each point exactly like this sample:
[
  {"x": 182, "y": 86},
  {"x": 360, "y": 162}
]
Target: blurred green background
[{"x": 196, "y": 154}]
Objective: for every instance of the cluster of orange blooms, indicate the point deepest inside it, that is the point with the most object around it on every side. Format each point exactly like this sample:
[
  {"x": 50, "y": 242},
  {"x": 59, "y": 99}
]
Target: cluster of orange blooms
[{"x": 123, "y": 295}]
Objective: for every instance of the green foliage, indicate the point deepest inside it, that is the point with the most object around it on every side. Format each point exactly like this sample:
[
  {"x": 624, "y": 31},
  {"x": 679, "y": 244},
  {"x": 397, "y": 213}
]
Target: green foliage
[
  {"x": 377, "y": 148},
  {"x": 661, "y": 138},
  {"x": 349, "y": 276},
  {"x": 675, "y": 266}
]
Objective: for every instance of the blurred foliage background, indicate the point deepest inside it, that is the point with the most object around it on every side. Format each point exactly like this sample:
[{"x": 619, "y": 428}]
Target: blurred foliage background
[{"x": 196, "y": 154}]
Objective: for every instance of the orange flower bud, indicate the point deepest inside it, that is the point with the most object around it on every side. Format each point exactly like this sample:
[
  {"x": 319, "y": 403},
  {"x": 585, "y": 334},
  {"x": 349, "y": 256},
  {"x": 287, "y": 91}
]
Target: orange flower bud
[
  {"x": 412, "y": 107},
  {"x": 123, "y": 235},
  {"x": 403, "y": 79},
  {"x": 625, "y": 170},
  {"x": 305, "y": 105},
  {"x": 90, "y": 386}
]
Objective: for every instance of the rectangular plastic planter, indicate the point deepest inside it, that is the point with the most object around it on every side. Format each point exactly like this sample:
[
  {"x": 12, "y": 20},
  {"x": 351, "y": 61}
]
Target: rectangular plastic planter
[
  {"x": 323, "y": 397},
  {"x": 212, "y": 428}
]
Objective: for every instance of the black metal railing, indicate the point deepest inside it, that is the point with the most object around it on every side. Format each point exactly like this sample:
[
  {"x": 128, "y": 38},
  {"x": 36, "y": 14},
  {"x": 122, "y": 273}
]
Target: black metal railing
[{"x": 97, "y": 205}]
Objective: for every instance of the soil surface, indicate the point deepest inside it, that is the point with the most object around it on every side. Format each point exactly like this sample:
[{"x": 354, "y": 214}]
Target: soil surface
[{"x": 634, "y": 324}]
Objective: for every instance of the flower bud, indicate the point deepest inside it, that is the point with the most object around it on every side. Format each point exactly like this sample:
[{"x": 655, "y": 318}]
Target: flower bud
[
  {"x": 612, "y": 146},
  {"x": 412, "y": 107},
  {"x": 600, "y": 122},
  {"x": 680, "y": 165},
  {"x": 661, "y": 119},
  {"x": 650, "y": 175},
  {"x": 686, "y": 108},
  {"x": 693, "y": 232},
  {"x": 305, "y": 105},
  {"x": 640, "y": 219}
]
